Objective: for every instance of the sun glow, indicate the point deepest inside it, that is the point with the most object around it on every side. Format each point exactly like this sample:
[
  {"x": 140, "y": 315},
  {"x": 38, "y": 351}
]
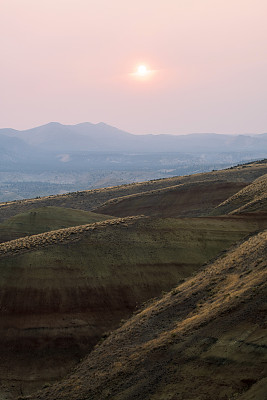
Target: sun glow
[{"x": 143, "y": 72}]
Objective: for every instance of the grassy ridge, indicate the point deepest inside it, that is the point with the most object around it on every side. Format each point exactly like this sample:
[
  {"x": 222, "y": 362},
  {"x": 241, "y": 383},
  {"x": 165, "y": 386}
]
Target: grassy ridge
[{"x": 253, "y": 198}]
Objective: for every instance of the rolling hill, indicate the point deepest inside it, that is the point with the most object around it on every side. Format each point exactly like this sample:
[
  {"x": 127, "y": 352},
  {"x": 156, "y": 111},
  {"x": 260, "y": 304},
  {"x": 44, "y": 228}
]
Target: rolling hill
[{"x": 62, "y": 290}]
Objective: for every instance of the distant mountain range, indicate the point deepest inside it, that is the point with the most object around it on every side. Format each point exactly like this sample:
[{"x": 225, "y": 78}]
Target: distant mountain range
[
  {"x": 56, "y": 158},
  {"x": 101, "y": 137}
]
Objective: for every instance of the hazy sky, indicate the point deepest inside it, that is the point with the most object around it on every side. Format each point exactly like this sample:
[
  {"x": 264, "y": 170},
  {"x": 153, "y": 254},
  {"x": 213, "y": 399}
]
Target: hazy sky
[{"x": 73, "y": 61}]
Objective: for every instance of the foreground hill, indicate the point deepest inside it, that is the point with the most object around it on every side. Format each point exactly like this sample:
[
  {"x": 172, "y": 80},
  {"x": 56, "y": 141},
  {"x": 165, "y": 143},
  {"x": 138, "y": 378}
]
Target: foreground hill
[
  {"x": 204, "y": 340},
  {"x": 61, "y": 290},
  {"x": 91, "y": 199},
  {"x": 253, "y": 198},
  {"x": 45, "y": 219}
]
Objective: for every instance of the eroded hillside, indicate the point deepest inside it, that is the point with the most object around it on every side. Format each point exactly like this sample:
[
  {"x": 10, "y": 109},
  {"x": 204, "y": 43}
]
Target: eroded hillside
[
  {"x": 184, "y": 200},
  {"x": 206, "y": 339},
  {"x": 62, "y": 290}
]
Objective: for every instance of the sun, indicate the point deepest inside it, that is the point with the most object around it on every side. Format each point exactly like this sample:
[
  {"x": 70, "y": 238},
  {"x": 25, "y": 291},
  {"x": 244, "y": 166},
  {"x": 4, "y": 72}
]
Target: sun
[
  {"x": 142, "y": 70},
  {"x": 143, "y": 73}
]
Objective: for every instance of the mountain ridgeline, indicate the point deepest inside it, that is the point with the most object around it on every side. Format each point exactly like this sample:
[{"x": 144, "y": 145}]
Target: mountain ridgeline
[
  {"x": 152, "y": 290},
  {"x": 102, "y": 137}
]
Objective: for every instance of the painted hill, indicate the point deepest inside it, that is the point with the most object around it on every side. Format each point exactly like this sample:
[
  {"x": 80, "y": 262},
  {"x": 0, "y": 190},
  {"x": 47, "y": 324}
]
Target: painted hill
[
  {"x": 45, "y": 219},
  {"x": 89, "y": 200},
  {"x": 206, "y": 339},
  {"x": 188, "y": 199},
  {"x": 253, "y": 198},
  {"x": 60, "y": 291}
]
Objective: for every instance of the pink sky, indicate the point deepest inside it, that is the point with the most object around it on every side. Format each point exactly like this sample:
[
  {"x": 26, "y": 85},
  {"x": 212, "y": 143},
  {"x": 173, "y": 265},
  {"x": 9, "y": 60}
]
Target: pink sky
[{"x": 73, "y": 61}]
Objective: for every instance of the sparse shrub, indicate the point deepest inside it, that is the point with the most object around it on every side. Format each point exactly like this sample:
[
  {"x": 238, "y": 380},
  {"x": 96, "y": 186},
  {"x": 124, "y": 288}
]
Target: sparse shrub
[{"x": 46, "y": 385}]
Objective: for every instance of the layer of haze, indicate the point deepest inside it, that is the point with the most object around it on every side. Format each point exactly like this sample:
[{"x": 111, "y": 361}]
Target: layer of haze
[{"x": 75, "y": 60}]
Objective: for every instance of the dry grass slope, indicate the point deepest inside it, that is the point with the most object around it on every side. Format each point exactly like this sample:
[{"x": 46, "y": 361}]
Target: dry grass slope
[
  {"x": 204, "y": 340},
  {"x": 253, "y": 198},
  {"x": 20, "y": 245}
]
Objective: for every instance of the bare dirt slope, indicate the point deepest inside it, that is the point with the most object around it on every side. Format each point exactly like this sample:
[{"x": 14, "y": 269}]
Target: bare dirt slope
[
  {"x": 89, "y": 199},
  {"x": 204, "y": 340},
  {"x": 61, "y": 290}
]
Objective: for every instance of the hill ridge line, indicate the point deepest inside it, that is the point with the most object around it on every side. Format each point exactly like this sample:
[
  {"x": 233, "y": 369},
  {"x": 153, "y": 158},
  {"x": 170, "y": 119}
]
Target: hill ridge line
[
  {"x": 245, "y": 198},
  {"x": 62, "y": 235},
  {"x": 216, "y": 266},
  {"x": 217, "y": 269}
]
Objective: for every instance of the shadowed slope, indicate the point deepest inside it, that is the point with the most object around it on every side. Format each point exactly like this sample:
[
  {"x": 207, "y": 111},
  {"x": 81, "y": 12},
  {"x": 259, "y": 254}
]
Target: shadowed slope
[
  {"x": 60, "y": 290},
  {"x": 45, "y": 219},
  {"x": 204, "y": 340},
  {"x": 253, "y": 198},
  {"x": 90, "y": 199},
  {"x": 188, "y": 199}
]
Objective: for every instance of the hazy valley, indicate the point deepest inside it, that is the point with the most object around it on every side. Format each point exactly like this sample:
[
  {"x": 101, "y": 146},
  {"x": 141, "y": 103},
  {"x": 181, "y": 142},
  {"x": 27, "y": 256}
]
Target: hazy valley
[{"x": 56, "y": 158}]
